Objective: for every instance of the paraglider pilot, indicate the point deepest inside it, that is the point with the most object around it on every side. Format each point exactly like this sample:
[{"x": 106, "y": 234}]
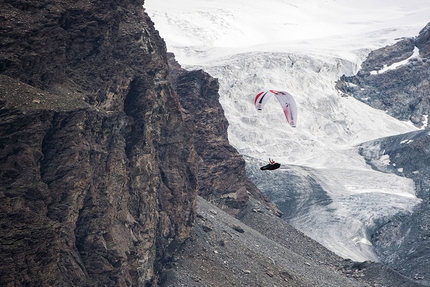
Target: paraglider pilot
[{"x": 271, "y": 166}]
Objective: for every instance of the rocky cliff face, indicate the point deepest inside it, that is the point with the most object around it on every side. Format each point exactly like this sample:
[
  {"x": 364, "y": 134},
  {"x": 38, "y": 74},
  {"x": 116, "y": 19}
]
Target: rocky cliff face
[
  {"x": 100, "y": 165},
  {"x": 98, "y": 169},
  {"x": 396, "y": 79}
]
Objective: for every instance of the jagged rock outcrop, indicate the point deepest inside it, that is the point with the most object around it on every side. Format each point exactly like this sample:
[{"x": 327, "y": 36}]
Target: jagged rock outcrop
[
  {"x": 98, "y": 169},
  {"x": 221, "y": 169},
  {"x": 396, "y": 79}
]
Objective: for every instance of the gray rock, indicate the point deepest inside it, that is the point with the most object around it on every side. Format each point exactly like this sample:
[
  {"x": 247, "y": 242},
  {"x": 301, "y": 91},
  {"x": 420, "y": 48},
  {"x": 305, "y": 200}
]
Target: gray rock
[{"x": 404, "y": 91}]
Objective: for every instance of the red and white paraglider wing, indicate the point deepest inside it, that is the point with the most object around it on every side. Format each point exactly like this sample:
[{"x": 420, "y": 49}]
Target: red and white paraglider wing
[
  {"x": 289, "y": 107},
  {"x": 261, "y": 99},
  {"x": 285, "y": 99}
]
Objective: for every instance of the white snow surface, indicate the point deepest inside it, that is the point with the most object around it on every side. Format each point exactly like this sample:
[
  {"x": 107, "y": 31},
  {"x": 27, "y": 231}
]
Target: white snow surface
[{"x": 303, "y": 47}]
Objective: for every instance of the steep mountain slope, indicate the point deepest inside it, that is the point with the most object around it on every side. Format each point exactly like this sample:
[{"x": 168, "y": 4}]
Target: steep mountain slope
[
  {"x": 98, "y": 169},
  {"x": 263, "y": 250}
]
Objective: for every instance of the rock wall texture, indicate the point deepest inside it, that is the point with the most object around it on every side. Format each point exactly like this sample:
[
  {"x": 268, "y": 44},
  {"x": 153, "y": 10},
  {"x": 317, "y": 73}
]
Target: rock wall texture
[
  {"x": 101, "y": 160},
  {"x": 395, "y": 79},
  {"x": 98, "y": 169}
]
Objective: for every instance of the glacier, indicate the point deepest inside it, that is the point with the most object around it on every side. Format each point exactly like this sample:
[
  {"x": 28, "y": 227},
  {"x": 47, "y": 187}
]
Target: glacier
[{"x": 324, "y": 186}]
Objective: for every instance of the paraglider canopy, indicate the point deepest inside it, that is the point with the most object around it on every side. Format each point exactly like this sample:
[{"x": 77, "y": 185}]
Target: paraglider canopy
[{"x": 286, "y": 100}]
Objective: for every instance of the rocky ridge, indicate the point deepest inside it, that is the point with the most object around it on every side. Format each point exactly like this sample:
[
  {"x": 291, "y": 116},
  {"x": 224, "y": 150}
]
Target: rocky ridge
[{"x": 396, "y": 79}]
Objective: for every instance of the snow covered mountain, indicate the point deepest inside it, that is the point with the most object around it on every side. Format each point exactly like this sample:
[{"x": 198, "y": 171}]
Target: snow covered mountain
[{"x": 325, "y": 187}]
